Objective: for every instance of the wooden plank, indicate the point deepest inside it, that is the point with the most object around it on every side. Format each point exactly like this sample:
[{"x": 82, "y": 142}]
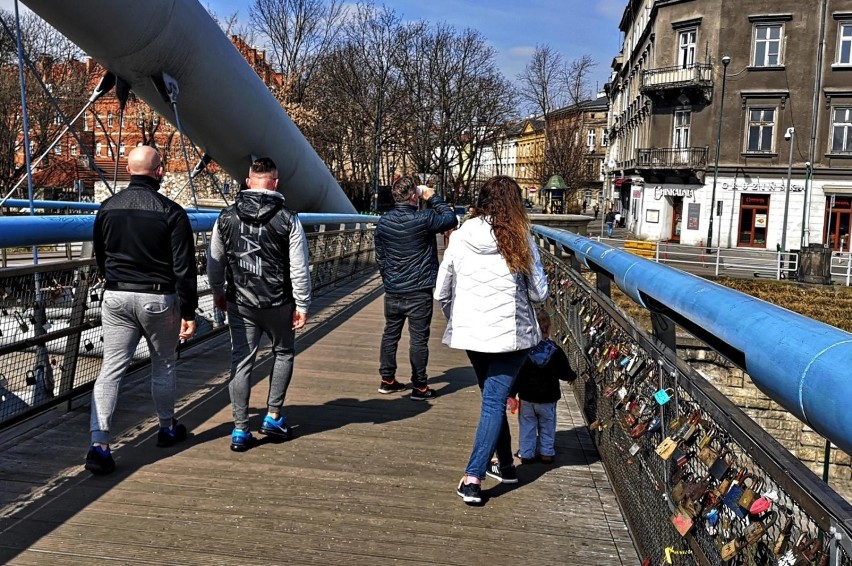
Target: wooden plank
[{"x": 369, "y": 479}]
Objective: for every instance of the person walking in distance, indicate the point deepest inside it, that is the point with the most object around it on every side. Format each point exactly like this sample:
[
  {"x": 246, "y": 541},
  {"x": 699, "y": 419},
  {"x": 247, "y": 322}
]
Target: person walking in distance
[
  {"x": 487, "y": 283},
  {"x": 145, "y": 252},
  {"x": 407, "y": 255},
  {"x": 258, "y": 271},
  {"x": 609, "y": 220}
]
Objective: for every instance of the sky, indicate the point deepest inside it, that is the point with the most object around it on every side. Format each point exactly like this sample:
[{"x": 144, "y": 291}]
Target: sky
[{"x": 512, "y": 27}]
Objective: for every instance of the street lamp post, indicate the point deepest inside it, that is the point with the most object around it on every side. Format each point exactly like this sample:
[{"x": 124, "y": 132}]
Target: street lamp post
[
  {"x": 790, "y": 136},
  {"x": 725, "y": 62}
]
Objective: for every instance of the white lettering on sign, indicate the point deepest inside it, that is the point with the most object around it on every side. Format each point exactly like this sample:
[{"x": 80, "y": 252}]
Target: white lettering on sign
[
  {"x": 763, "y": 187},
  {"x": 660, "y": 192}
]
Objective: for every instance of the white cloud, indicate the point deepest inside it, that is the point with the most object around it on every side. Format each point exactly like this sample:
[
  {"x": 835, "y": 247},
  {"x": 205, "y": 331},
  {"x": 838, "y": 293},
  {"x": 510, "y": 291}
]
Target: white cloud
[{"x": 522, "y": 51}]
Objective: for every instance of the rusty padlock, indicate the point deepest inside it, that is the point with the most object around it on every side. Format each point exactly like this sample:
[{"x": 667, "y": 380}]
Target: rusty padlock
[
  {"x": 757, "y": 529},
  {"x": 732, "y": 548},
  {"x": 750, "y": 489}
]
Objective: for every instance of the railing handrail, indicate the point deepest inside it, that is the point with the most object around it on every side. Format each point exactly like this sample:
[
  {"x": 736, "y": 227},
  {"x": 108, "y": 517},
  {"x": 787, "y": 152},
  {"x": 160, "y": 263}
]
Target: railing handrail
[
  {"x": 796, "y": 377},
  {"x": 698, "y": 66}
]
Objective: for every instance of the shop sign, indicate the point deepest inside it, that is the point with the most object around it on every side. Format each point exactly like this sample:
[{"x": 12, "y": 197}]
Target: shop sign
[
  {"x": 763, "y": 187},
  {"x": 687, "y": 191},
  {"x": 760, "y": 221},
  {"x": 637, "y": 193},
  {"x": 693, "y": 212},
  {"x": 756, "y": 200}
]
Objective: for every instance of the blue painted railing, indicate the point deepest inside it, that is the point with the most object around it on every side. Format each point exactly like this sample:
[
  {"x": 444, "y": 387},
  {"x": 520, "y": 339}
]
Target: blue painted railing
[{"x": 798, "y": 362}]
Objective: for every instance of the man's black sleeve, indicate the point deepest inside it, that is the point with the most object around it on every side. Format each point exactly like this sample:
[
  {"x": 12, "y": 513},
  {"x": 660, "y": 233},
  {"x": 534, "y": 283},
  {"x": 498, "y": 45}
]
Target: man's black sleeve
[
  {"x": 98, "y": 242},
  {"x": 379, "y": 244},
  {"x": 441, "y": 215},
  {"x": 183, "y": 259}
]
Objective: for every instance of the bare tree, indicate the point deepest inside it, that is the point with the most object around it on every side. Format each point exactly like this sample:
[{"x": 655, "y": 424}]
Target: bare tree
[
  {"x": 65, "y": 85},
  {"x": 575, "y": 79},
  {"x": 539, "y": 84},
  {"x": 297, "y": 32},
  {"x": 231, "y": 25}
]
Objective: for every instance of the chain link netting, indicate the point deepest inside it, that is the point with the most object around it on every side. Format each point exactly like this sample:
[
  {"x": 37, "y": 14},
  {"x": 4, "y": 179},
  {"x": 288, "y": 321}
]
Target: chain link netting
[
  {"x": 697, "y": 480},
  {"x": 51, "y": 342}
]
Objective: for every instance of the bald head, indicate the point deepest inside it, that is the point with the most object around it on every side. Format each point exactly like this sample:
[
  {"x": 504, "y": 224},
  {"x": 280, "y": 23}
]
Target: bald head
[{"x": 144, "y": 160}]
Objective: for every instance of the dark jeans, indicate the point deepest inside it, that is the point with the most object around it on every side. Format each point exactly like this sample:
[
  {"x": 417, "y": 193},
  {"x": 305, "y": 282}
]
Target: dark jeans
[
  {"x": 417, "y": 308},
  {"x": 496, "y": 374}
]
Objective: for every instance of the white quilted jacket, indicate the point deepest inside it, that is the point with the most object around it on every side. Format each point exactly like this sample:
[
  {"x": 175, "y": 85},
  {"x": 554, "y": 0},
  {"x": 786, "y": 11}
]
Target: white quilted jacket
[{"x": 488, "y": 309}]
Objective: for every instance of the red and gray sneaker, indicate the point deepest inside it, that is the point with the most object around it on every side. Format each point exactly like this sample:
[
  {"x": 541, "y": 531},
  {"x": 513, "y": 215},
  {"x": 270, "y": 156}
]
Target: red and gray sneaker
[
  {"x": 423, "y": 394},
  {"x": 392, "y": 386}
]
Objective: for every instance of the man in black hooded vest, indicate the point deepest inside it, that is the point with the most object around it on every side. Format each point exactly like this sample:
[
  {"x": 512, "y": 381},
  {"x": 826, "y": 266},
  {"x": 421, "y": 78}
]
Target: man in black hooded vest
[{"x": 258, "y": 271}]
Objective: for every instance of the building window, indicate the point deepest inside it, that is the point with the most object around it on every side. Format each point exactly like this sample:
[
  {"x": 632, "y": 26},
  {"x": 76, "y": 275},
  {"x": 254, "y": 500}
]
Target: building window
[
  {"x": 74, "y": 150},
  {"x": 686, "y": 48},
  {"x": 109, "y": 120},
  {"x": 761, "y": 126},
  {"x": 767, "y": 45},
  {"x": 121, "y": 149},
  {"x": 590, "y": 140},
  {"x": 841, "y": 128},
  {"x": 844, "y": 44},
  {"x": 604, "y": 138},
  {"x": 99, "y": 149},
  {"x": 57, "y": 149},
  {"x": 680, "y": 133}
]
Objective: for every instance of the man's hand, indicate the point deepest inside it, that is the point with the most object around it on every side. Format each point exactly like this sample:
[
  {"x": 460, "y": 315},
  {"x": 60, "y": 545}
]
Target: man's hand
[
  {"x": 220, "y": 302},
  {"x": 426, "y": 192},
  {"x": 187, "y": 329},
  {"x": 299, "y": 319}
]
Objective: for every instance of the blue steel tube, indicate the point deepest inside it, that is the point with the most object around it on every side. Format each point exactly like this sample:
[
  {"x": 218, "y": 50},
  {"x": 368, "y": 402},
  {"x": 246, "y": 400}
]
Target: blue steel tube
[
  {"x": 800, "y": 363},
  {"x": 16, "y": 231},
  {"x": 225, "y": 107},
  {"x": 70, "y": 205}
]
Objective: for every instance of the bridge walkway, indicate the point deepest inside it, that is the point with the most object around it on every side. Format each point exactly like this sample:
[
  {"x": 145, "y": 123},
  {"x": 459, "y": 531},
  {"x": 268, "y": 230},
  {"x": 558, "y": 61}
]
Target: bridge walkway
[{"x": 369, "y": 479}]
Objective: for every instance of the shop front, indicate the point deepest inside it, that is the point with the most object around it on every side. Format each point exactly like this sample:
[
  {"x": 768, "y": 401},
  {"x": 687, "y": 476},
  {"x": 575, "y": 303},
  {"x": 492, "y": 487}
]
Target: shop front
[
  {"x": 670, "y": 212},
  {"x": 753, "y": 221},
  {"x": 838, "y": 214}
]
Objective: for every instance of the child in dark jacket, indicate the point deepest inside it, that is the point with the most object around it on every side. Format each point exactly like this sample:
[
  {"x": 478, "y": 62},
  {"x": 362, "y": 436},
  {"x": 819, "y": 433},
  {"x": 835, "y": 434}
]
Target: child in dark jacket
[{"x": 537, "y": 387}]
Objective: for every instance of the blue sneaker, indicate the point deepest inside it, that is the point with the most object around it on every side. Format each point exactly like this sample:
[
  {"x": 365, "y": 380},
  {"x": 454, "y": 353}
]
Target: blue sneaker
[
  {"x": 99, "y": 461},
  {"x": 241, "y": 440},
  {"x": 276, "y": 428}
]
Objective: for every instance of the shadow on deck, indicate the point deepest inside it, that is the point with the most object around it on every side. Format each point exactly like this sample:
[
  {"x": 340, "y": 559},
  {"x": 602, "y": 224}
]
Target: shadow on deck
[{"x": 369, "y": 479}]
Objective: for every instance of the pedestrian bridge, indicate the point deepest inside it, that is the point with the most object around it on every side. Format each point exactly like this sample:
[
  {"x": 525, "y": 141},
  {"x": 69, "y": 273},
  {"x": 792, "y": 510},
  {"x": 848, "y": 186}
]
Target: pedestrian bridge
[{"x": 370, "y": 478}]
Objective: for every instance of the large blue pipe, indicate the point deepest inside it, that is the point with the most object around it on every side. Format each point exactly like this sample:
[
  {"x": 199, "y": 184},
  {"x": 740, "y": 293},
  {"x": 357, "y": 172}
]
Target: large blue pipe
[
  {"x": 20, "y": 231},
  {"x": 800, "y": 363},
  {"x": 68, "y": 205}
]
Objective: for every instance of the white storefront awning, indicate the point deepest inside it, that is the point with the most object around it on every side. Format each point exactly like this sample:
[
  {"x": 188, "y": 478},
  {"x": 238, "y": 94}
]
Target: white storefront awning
[{"x": 837, "y": 189}]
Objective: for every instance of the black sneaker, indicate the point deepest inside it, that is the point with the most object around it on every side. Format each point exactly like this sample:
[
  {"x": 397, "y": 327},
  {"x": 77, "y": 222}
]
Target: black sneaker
[
  {"x": 277, "y": 429},
  {"x": 392, "y": 386},
  {"x": 524, "y": 460},
  {"x": 470, "y": 493},
  {"x": 99, "y": 461},
  {"x": 169, "y": 436},
  {"x": 423, "y": 394},
  {"x": 506, "y": 474}
]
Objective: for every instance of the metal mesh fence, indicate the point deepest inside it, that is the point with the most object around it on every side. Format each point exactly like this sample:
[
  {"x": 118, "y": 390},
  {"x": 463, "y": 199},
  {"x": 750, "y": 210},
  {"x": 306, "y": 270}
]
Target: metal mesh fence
[
  {"x": 51, "y": 342},
  {"x": 698, "y": 481}
]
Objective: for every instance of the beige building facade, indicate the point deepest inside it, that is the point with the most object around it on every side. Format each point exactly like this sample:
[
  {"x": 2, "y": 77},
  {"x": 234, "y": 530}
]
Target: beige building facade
[{"x": 786, "y": 106}]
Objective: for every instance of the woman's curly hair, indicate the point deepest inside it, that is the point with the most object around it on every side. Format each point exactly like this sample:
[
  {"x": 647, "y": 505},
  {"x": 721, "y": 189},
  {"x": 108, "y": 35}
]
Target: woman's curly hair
[{"x": 500, "y": 203}]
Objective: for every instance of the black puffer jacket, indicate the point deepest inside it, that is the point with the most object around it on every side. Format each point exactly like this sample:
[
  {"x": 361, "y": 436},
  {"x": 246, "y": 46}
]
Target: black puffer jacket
[{"x": 406, "y": 249}]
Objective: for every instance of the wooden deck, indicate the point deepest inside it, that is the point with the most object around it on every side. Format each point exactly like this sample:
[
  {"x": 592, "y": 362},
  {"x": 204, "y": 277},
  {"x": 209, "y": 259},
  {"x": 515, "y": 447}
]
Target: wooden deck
[{"x": 369, "y": 479}]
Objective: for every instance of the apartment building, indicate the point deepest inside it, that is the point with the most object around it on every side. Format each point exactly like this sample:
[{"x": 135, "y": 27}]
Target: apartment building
[{"x": 769, "y": 82}]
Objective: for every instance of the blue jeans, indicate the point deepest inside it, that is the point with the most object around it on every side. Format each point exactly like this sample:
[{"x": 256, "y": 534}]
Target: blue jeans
[
  {"x": 417, "y": 308},
  {"x": 496, "y": 374},
  {"x": 537, "y": 429},
  {"x": 609, "y": 229},
  {"x": 126, "y": 317}
]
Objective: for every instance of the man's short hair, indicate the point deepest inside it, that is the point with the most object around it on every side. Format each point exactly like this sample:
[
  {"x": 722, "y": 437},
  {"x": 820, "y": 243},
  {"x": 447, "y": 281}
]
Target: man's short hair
[
  {"x": 403, "y": 188},
  {"x": 263, "y": 165}
]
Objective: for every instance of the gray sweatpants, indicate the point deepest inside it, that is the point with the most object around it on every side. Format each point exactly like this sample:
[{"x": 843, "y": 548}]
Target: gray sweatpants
[
  {"x": 248, "y": 325},
  {"x": 126, "y": 316}
]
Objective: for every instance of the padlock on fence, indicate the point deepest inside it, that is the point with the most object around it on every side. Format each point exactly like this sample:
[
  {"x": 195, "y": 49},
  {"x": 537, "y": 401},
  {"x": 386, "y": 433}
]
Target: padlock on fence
[
  {"x": 682, "y": 522},
  {"x": 750, "y": 490},
  {"x": 755, "y": 531},
  {"x": 732, "y": 548},
  {"x": 87, "y": 345},
  {"x": 663, "y": 396},
  {"x": 31, "y": 378}
]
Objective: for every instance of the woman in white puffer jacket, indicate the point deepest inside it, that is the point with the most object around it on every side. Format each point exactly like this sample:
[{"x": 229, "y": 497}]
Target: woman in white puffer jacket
[{"x": 489, "y": 279}]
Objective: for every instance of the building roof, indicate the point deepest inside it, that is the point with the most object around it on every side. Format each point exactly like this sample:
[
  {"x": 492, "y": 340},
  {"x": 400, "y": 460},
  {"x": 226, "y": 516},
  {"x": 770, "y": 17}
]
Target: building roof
[{"x": 62, "y": 172}]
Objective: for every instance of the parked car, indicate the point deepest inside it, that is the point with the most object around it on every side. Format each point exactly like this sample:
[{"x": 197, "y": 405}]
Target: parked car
[{"x": 528, "y": 203}]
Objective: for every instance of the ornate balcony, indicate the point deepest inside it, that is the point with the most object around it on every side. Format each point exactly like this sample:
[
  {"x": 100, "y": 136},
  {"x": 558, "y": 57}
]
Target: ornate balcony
[
  {"x": 672, "y": 158},
  {"x": 699, "y": 76}
]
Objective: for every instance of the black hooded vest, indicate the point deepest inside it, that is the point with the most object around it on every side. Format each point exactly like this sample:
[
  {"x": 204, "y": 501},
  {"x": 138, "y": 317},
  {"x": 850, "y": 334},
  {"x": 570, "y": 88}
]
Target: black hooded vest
[{"x": 256, "y": 233}]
